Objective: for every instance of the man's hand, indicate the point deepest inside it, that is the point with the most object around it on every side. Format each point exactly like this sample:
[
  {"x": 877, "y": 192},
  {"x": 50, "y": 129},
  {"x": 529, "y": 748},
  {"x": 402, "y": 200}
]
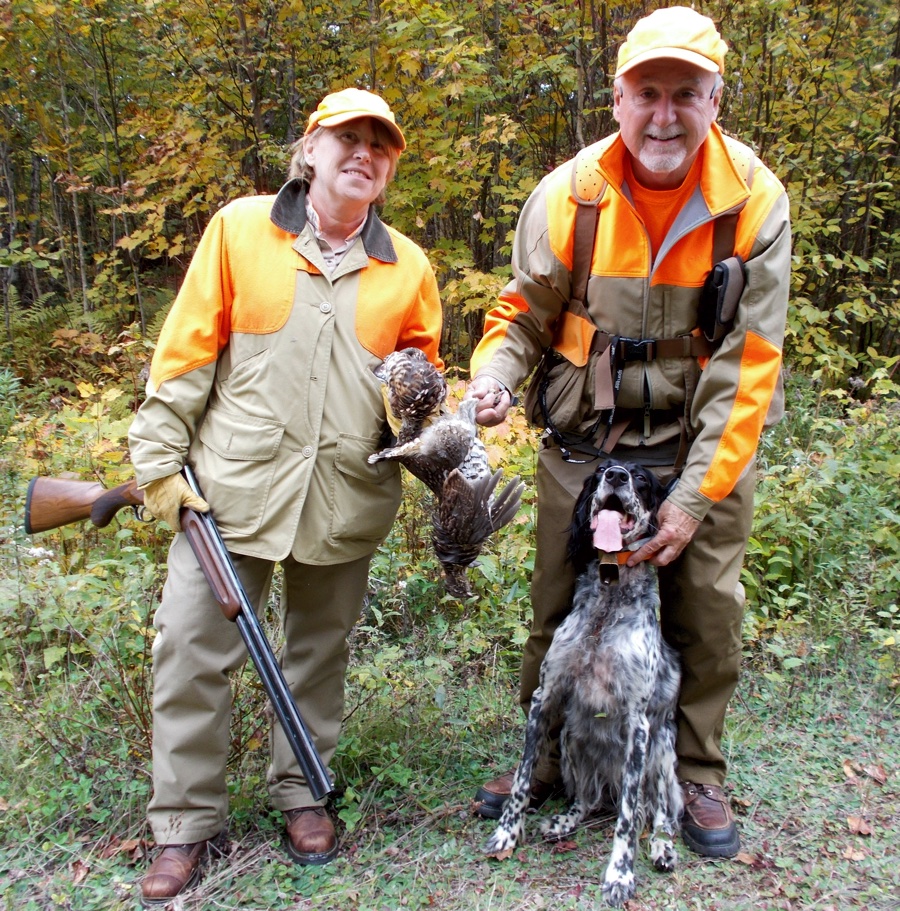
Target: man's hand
[
  {"x": 676, "y": 529},
  {"x": 164, "y": 498},
  {"x": 493, "y": 400}
]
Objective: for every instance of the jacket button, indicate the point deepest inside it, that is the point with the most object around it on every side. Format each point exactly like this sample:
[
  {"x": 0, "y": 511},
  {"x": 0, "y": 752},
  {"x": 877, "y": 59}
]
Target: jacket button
[
  {"x": 307, "y": 451},
  {"x": 325, "y": 307}
]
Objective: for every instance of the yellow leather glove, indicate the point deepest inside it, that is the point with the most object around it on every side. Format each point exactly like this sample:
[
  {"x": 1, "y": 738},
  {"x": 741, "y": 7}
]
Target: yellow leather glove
[
  {"x": 164, "y": 497},
  {"x": 392, "y": 419}
]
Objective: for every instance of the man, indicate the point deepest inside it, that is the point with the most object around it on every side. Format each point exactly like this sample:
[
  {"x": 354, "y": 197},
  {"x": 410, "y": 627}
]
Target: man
[
  {"x": 262, "y": 379},
  {"x": 675, "y": 196}
]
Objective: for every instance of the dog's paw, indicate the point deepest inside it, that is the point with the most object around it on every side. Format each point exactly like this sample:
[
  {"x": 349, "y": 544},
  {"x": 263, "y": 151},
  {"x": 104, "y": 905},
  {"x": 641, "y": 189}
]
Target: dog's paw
[
  {"x": 557, "y": 827},
  {"x": 618, "y": 888},
  {"x": 501, "y": 844},
  {"x": 662, "y": 853}
]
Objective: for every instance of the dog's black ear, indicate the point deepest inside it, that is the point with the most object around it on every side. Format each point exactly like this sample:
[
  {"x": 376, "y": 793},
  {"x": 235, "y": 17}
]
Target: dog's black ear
[{"x": 580, "y": 548}]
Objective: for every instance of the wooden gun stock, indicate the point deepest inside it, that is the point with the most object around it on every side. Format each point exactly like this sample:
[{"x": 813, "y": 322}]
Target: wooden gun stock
[{"x": 53, "y": 502}]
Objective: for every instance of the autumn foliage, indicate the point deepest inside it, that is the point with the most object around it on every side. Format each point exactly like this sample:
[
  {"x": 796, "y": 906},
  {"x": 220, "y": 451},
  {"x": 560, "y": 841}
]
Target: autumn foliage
[{"x": 124, "y": 124}]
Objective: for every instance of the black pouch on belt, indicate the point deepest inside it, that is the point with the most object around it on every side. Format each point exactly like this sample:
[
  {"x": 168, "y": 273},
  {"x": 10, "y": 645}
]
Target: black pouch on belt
[{"x": 719, "y": 298}]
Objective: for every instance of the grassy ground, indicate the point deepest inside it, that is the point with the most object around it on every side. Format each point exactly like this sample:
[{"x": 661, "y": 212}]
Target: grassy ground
[
  {"x": 812, "y": 734},
  {"x": 814, "y": 784}
]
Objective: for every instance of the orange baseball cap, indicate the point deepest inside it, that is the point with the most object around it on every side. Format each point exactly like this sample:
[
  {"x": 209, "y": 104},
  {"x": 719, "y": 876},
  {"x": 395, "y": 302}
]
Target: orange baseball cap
[
  {"x": 350, "y": 104},
  {"x": 674, "y": 33}
]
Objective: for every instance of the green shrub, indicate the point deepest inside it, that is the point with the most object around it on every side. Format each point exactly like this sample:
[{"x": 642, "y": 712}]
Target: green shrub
[{"x": 825, "y": 549}]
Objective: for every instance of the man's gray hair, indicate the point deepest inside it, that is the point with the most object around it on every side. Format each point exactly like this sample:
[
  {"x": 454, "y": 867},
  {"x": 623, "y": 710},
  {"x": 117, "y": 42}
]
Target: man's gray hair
[{"x": 300, "y": 167}]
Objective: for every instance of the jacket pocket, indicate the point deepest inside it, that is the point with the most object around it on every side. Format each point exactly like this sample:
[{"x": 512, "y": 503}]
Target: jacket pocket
[
  {"x": 236, "y": 463},
  {"x": 364, "y": 497},
  {"x": 565, "y": 391}
]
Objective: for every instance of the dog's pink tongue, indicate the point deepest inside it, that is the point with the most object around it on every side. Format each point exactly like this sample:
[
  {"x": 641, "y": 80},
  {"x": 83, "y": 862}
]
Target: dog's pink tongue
[{"x": 607, "y": 533}]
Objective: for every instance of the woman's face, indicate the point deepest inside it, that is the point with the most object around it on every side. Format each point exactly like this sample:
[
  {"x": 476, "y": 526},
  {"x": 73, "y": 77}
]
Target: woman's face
[{"x": 351, "y": 163}]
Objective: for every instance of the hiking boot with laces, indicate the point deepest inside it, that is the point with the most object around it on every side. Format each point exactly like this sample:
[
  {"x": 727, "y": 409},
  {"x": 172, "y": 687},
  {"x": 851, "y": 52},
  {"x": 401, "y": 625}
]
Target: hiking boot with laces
[{"x": 708, "y": 826}]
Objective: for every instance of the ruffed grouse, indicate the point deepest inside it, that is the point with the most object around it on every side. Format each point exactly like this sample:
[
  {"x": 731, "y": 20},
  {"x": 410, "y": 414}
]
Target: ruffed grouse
[{"x": 443, "y": 450}]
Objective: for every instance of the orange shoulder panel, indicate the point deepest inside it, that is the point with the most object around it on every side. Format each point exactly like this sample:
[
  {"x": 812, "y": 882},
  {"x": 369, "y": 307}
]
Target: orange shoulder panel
[
  {"x": 759, "y": 370},
  {"x": 197, "y": 327},
  {"x": 209, "y": 306},
  {"x": 399, "y": 307},
  {"x": 621, "y": 248}
]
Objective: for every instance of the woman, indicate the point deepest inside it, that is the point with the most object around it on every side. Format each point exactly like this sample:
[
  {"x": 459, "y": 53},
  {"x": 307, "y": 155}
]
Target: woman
[{"x": 262, "y": 379}]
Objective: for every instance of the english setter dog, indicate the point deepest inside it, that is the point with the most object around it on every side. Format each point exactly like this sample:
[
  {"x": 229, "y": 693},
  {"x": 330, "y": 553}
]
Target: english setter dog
[{"x": 610, "y": 682}]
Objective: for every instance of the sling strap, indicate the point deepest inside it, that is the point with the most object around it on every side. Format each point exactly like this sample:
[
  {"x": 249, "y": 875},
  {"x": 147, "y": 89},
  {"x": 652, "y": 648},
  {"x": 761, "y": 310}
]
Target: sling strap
[{"x": 725, "y": 227}]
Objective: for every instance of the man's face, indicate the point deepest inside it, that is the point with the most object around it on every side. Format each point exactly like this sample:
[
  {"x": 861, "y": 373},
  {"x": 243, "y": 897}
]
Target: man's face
[{"x": 664, "y": 109}]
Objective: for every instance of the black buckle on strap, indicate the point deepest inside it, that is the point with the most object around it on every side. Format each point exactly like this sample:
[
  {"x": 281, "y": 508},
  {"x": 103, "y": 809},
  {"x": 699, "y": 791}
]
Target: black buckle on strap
[{"x": 634, "y": 349}]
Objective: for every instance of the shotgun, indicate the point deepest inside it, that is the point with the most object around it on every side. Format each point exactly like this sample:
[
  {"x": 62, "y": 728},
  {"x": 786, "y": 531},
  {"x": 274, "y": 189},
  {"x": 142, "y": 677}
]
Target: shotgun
[{"x": 52, "y": 502}]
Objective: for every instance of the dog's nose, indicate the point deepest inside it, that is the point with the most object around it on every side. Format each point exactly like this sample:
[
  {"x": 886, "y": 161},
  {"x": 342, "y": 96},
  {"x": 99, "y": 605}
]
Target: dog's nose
[{"x": 616, "y": 476}]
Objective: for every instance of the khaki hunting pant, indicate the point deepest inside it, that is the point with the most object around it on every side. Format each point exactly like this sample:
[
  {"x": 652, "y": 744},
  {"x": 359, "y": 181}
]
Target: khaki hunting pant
[
  {"x": 195, "y": 651},
  {"x": 702, "y": 609}
]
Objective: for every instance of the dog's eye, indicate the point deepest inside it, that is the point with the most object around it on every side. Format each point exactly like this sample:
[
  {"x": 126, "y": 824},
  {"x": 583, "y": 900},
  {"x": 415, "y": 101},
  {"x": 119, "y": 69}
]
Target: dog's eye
[{"x": 644, "y": 482}]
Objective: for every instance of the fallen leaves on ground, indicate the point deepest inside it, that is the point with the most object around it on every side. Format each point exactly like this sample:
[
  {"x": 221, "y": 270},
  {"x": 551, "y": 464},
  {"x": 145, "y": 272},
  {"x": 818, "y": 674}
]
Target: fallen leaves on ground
[
  {"x": 853, "y": 770},
  {"x": 858, "y": 825},
  {"x": 852, "y": 853},
  {"x": 563, "y": 847},
  {"x": 80, "y": 871},
  {"x": 505, "y": 854}
]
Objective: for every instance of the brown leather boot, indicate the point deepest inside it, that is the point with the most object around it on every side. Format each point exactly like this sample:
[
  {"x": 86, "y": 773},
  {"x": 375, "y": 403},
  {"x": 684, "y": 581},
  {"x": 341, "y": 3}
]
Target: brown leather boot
[
  {"x": 311, "y": 838},
  {"x": 490, "y": 797},
  {"x": 708, "y": 826},
  {"x": 175, "y": 870}
]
